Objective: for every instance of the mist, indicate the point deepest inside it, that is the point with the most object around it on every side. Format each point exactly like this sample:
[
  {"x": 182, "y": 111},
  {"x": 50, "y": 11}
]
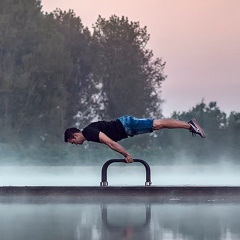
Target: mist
[{"x": 223, "y": 174}]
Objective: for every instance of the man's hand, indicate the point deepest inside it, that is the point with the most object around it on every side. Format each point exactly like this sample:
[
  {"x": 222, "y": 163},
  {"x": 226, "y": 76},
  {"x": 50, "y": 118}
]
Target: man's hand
[{"x": 129, "y": 159}]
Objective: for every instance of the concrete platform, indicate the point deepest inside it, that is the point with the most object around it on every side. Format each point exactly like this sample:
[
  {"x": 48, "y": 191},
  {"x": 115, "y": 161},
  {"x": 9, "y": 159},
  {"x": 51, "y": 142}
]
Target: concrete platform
[{"x": 135, "y": 194}]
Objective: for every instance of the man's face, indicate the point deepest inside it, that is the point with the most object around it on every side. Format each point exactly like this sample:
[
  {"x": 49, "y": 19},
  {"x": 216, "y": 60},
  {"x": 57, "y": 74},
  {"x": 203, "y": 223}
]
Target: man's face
[{"x": 77, "y": 139}]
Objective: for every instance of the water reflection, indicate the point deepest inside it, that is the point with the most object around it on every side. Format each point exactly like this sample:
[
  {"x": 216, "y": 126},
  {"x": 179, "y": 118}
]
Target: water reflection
[{"x": 129, "y": 220}]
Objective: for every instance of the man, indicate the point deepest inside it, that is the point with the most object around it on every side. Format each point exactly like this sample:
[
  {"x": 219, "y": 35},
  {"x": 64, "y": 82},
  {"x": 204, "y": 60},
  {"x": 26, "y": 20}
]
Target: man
[{"x": 110, "y": 132}]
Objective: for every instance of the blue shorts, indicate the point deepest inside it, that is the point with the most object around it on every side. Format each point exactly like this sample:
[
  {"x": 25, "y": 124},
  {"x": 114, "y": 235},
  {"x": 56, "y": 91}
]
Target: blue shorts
[{"x": 134, "y": 126}]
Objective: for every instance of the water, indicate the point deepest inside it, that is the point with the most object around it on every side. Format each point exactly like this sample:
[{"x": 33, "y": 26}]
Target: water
[{"x": 50, "y": 221}]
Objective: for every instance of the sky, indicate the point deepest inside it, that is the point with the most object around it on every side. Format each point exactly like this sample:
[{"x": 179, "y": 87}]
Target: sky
[{"x": 198, "y": 39}]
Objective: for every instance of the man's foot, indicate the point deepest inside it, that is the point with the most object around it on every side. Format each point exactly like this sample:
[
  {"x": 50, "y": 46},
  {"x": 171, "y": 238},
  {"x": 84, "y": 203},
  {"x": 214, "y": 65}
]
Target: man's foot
[{"x": 195, "y": 128}]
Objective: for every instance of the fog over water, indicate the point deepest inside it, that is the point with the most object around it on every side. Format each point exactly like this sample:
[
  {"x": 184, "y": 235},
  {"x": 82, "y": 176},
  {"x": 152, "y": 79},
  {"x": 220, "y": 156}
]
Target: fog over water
[{"x": 121, "y": 175}]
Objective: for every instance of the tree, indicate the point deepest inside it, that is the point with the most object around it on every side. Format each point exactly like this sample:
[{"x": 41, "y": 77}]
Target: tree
[
  {"x": 233, "y": 136},
  {"x": 18, "y": 24},
  {"x": 81, "y": 86},
  {"x": 129, "y": 77},
  {"x": 34, "y": 69}
]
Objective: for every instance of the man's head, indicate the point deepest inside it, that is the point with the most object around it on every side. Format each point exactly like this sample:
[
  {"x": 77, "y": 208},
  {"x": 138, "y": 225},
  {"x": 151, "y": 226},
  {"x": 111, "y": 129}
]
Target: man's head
[{"x": 73, "y": 136}]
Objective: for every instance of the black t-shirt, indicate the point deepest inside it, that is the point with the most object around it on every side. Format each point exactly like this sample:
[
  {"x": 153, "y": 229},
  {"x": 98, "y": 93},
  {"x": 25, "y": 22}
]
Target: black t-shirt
[{"x": 113, "y": 129}]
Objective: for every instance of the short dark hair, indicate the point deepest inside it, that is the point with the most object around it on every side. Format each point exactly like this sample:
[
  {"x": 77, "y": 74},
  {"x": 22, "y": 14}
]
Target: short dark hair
[{"x": 69, "y": 133}]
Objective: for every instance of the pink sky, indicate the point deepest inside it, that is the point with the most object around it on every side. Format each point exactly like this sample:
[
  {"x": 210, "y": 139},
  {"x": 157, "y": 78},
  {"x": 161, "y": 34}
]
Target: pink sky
[{"x": 198, "y": 39}]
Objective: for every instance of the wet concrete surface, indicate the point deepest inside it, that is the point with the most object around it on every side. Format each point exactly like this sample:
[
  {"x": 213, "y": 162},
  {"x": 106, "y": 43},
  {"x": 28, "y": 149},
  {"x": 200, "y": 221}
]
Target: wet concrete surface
[{"x": 150, "y": 194}]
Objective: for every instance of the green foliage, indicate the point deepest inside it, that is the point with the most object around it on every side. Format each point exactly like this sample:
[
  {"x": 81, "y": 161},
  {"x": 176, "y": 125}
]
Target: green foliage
[
  {"x": 125, "y": 68},
  {"x": 34, "y": 67},
  {"x": 42, "y": 72},
  {"x": 232, "y": 137},
  {"x": 80, "y": 88}
]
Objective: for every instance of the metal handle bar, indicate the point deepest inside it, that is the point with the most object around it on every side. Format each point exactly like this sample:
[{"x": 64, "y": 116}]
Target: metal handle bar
[{"x": 107, "y": 163}]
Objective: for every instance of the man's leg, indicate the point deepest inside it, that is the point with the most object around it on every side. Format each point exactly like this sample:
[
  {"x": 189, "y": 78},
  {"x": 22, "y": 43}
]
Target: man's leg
[
  {"x": 169, "y": 123},
  {"x": 193, "y": 126}
]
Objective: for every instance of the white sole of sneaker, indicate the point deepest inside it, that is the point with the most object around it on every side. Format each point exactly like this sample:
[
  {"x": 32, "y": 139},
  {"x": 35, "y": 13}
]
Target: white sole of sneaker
[{"x": 199, "y": 127}]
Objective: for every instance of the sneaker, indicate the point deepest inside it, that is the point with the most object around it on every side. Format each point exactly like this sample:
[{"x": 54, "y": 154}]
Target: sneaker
[{"x": 195, "y": 128}]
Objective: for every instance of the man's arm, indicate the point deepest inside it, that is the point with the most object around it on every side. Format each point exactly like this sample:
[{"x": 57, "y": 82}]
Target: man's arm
[{"x": 115, "y": 146}]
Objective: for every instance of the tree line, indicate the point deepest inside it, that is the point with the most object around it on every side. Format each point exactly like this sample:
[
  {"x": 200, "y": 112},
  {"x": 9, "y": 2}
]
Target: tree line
[{"x": 56, "y": 73}]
